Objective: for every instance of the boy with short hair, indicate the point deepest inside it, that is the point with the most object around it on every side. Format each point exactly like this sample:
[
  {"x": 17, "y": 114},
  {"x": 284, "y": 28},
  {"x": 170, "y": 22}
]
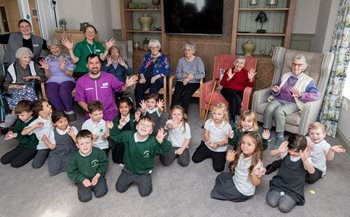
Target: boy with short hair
[
  {"x": 139, "y": 154},
  {"x": 97, "y": 126},
  {"x": 26, "y": 148},
  {"x": 42, "y": 127},
  {"x": 321, "y": 151},
  {"x": 87, "y": 168},
  {"x": 152, "y": 106}
]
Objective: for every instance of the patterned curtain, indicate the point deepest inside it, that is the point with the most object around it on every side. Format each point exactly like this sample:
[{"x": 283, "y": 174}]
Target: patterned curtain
[{"x": 340, "y": 47}]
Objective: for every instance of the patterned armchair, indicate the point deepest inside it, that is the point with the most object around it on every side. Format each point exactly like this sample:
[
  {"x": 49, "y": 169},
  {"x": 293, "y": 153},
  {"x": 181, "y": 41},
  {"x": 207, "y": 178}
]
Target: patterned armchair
[{"x": 319, "y": 68}]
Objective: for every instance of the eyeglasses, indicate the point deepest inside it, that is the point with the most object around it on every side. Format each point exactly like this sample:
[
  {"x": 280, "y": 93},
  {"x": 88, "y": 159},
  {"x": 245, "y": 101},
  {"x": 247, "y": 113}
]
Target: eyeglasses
[
  {"x": 297, "y": 65},
  {"x": 153, "y": 47}
]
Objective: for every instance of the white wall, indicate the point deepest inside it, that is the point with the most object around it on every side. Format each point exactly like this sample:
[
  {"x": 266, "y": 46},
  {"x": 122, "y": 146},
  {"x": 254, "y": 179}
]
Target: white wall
[
  {"x": 305, "y": 17},
  {"x": 101, "y": 16},
  {"x": 115, "y": 14},
  {"x": 75, "y": 12}
]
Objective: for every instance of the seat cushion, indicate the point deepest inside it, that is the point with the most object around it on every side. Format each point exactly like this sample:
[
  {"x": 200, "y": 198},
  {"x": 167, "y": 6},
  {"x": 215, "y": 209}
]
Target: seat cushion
[{"x": 292, "y": 119}]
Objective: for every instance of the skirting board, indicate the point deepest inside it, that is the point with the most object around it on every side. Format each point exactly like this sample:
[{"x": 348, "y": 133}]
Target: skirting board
[{"x": 343, "y": 141}]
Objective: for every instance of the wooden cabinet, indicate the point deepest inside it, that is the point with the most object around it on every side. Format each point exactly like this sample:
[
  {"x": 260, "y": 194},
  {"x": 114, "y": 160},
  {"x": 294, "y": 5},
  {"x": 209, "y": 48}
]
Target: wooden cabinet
[
  {"x": 278, "y": 26},
  {"x": 131, "y": 28},
  {"x": 264, "y": 75}
]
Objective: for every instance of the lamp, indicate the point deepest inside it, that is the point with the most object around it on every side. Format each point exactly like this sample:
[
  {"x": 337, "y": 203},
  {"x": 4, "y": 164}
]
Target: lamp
[{"x": 261, "y": 18}]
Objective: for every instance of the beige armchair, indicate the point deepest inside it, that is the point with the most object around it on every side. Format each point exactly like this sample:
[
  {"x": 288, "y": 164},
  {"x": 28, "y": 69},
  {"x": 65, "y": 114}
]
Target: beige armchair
[{"x": 319, "y": 68}]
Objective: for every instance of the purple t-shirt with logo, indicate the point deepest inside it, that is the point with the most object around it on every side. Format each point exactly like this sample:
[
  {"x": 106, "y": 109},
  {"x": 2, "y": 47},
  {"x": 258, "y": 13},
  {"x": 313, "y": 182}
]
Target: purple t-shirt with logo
[{"x": 101, "y": 89}]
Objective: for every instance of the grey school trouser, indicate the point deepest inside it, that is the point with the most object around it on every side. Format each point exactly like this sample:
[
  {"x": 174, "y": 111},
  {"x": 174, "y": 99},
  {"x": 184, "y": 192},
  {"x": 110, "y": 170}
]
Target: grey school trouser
[
  {"x": 278, "y": 112},
  {"x": 127, "y": 178}
]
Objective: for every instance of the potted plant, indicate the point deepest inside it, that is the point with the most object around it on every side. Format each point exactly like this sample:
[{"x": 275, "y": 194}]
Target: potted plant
[{"x": 63, "y": 24}]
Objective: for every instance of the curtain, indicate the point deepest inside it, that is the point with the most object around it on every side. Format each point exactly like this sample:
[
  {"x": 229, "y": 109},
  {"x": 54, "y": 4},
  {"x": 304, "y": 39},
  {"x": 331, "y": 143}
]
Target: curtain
[{"x": 331, "y": 107}]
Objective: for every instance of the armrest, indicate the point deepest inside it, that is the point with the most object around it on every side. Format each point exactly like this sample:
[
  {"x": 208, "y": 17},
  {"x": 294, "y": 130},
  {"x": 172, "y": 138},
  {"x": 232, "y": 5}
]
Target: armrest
[
  {"x": 309, "y": 114},
  {"x": 246, "y": 98},
  {"x": 43, "y": 90},
  {"x": 260, "y": 96}
]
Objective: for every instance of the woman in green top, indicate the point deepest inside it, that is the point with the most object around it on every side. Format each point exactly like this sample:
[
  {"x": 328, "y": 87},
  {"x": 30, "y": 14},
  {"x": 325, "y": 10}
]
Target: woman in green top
[{"x": 86, "y": 47}]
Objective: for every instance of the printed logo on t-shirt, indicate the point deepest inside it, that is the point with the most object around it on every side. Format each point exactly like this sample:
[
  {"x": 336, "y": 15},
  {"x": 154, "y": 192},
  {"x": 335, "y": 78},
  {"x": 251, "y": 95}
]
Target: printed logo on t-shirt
[
  {"x": 146, "y": 154},
  {"x": 104, "y": 85},
  {"x": 94, "y": 163}
]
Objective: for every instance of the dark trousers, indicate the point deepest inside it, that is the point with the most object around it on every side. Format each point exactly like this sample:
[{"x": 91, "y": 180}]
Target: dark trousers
[
  {"x": 60, "y": 95},
  {"x": 127, "y": 178},
  {"x": 284, "y": 203},
  {"x": 203, "y": 152},
  {"x": 141, "y": 88},
  {"x": 100, "y": 190},
  {"x": 18, "y": 156},
  {"x": 118, "y": 153},
  {"x": 312, "y": 178},
  {"x": 183, "y": 159},
  {"x": 183, "y": 93},
  {"x": 234, "y": 99},
  {"x": 40, "y": 158}
]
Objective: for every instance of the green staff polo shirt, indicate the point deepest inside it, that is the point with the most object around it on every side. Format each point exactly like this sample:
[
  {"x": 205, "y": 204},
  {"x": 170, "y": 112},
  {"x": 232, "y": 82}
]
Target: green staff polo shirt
[{"x": 82, "y": 50}]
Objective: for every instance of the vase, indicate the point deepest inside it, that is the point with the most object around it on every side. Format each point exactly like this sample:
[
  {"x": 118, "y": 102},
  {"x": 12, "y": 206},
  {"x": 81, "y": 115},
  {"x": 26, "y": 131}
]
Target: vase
[
  {"x": 248, "y": 48},
  {"x": 145, "y": 21}
]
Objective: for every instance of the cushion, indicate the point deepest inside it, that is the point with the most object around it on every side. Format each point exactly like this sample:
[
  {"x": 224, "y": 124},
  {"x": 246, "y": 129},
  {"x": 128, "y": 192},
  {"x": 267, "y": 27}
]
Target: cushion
[{"x": 292, "y": 119}]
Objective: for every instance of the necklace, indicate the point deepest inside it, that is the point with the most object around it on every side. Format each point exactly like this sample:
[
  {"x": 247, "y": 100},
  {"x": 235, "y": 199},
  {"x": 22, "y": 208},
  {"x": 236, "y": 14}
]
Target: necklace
[{"x": 90, "y": 49}]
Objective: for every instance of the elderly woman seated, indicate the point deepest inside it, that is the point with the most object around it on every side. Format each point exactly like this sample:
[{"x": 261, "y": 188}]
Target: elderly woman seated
[
  {"x": 20, "y": 81},
  {"x": 288, "y": 96},
  {"x": 189, "y": 72},
  {"x": 233, "y": 83},
  {"x": 59, "y": 68},
  {"x": 154, "y": 67}
]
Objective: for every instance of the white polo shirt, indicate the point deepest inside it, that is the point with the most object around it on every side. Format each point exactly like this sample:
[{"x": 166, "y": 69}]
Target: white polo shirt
[
  {"x": 319, "y": 155},
  {"x": 97, "y": 129},
  {"x": 217, "y": 134},
  {"x": 46, "y": 129},
  {"x": 178, "y": 135}
]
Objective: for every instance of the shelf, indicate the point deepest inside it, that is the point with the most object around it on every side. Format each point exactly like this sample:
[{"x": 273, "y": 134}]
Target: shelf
[
  {"x": 142, "y": 31},
  {"x": 263, "y": 9},
  {"x": 261, "y": 34},
  {"x": 142, "y": 10}
]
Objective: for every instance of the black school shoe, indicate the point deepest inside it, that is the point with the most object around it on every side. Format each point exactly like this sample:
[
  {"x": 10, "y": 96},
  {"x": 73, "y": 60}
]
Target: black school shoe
[{"x": 273, "y": 167}]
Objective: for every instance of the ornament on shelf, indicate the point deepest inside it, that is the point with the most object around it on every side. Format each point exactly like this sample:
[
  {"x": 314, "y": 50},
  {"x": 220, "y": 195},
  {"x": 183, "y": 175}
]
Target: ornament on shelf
[
  {"x": 156, "y": 4},
  {"x": 261, "y": 18},
  {"x": 253, "y": 3},
  {"x": 145, "y": 21},
  {"x": 272, "y": 3},
  {"x": 248, "y": 48},
  {"x": 145, "y": 44}
]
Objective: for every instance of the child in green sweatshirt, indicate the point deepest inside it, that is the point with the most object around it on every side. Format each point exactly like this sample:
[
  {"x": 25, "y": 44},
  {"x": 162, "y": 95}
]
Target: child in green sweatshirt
[
  {"x": 87, "y": 168},
  {"x": 139, "y": 154}
]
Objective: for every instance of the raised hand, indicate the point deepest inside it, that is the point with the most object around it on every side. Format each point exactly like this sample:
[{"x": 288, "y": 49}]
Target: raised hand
[
  {"x": 160, "y": 105},
  {"x": 137, "y": 116},
  {"x": 105, "y": 135},
  {"x": 70, "y": 131},
  {"x": 110, "y": 43},
  {"x": 283, "y": 147},
  {"x": 44, "y": 64},
  {"x": 131, "y": 80},
  {"x": 68, "y": 44},
  {"x": 266, "y": 134},
  {"x": 122, "y": 62},
  {"x": 160, "y": 135},
  {"x": 251, "y": 74},
  {"x": 310, "y": 146},
  {"x": 154, "y": 79},
  {"x": 109, "y": 124},
  {"x": 231, "y": 134},
  {"x": 304, "y": 155},
  {"x": 62, "y": 64},
  {"x": 338, "y": 149},
  {"x": 38, "y": 124},
  {"x": 143, "y": 105},
  {"x": 44, "y": 139},
  {"x": 230, "y": 74},
  {"x": 259, "y": 171},
  {"x": 142, "y": 79},
  {"x": 231, "y": 155}
]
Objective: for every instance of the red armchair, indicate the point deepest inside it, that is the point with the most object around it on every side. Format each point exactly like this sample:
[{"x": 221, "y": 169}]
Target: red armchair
[{"x": 224, "y": 61}]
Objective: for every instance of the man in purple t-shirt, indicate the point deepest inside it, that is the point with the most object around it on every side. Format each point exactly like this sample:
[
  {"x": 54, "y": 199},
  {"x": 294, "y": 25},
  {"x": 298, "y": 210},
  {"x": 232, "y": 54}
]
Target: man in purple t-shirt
[{"x": 97, "y": 85}]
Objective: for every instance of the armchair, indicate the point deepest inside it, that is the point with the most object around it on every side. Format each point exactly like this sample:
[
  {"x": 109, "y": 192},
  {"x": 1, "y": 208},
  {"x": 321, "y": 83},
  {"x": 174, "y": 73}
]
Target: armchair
[
  {"x": 224, "y": 61},
  {"x": 319, "y": 68}
]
